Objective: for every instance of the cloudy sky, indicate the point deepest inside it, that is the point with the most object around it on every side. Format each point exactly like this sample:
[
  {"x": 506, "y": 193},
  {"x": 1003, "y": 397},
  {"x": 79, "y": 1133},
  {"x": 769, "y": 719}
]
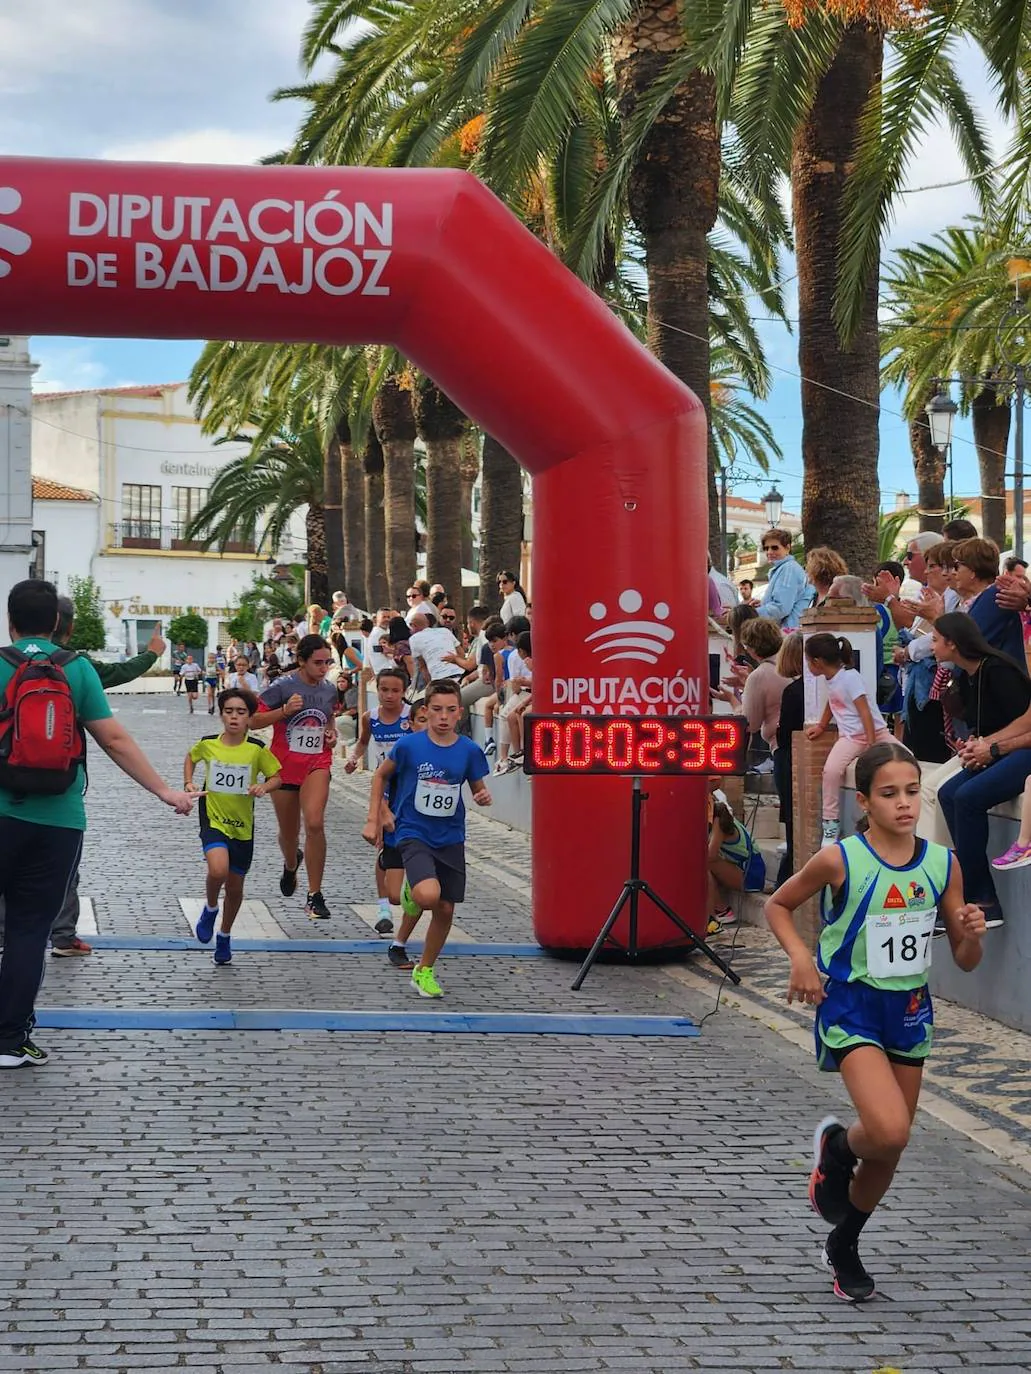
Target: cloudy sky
[{"x": 189, "y": 80}]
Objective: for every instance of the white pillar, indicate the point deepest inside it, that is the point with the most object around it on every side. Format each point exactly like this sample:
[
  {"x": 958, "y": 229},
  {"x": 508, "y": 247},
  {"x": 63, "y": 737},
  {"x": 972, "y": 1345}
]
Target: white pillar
[{"x": 16, "y": 369}]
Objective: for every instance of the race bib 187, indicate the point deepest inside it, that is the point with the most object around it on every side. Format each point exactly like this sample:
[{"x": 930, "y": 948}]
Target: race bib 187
[{"x": 898, "y": 943}]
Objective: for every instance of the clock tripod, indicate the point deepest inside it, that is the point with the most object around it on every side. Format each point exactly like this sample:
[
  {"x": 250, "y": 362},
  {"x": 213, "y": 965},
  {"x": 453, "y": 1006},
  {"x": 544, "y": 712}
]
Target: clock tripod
[{"x": 633, "y": 890}]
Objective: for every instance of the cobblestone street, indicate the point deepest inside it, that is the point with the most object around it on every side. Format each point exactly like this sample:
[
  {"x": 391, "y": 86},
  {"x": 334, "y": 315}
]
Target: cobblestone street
[{"x": 416, "y": 1203}]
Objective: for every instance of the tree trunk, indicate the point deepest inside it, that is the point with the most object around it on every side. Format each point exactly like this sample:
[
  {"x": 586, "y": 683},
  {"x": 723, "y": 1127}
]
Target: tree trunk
[
  {"x": 840, "y": 495},
  {"x": 929, "y": 469},
  {"x": 991, "y": 439},
  {"x": 377, "y": 589},
  {"x": 441, "y": 425},
  {"x": 395, "y": 429},
  {"x": 318, "y": 581},
  {"x": 470, "y": 472},
  {"x": 333, "y": 521},
  {"x": 674, "y": 201},
  {"x": 354, "y": 525},
  {"x": 501, "y": 519}
]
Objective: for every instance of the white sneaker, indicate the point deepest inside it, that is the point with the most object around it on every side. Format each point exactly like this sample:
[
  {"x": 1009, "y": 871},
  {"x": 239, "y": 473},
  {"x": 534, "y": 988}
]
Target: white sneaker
[
  {"x": 489, "y": 747},
  {"x": 782, "y": 848},
  {"x": 831, "y": 832},
  {"x": 766, "y": 766}
]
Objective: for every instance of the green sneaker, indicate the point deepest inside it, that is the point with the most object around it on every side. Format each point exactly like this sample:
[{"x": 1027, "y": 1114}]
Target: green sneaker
[
  {"x": 425, "y": 984},
  {"x": 407, "y": 905}
]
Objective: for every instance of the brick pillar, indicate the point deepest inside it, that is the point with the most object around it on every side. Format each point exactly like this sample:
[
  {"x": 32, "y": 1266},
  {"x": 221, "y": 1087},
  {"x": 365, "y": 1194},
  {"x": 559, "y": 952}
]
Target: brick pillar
[{"x": 807, "y": 760}]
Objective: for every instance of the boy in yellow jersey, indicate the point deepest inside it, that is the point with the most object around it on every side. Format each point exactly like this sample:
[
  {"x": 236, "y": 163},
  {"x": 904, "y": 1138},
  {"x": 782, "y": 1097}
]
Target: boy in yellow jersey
[{"x": 232, "y": 763}]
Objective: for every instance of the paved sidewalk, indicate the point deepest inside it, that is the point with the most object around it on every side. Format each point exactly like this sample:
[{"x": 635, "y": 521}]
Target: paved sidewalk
[{"x": 422, "y": 1204}]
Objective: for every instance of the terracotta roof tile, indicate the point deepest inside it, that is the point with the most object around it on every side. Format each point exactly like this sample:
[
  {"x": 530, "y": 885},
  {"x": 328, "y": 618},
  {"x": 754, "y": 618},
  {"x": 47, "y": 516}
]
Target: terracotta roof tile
[{"x": 45, "y": 490}]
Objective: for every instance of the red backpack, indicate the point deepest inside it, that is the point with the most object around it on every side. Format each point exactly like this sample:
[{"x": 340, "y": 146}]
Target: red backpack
[{"x": 41, "y": 742}]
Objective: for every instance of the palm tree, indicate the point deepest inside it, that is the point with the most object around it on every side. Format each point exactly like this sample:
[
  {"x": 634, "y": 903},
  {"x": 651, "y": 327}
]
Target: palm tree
[
  {"x": 469, "y": 473},
  {"x": 377, "y": 588},
  {"x": 946, "y": 301},
  {"x": 738, "y": 430},
  {"x": 441, "y": 426},
  {"x": 810, "y": 96},
  {"x": 501, "y": 519},
  {"x": 395, "y": 429},
  {"x": 279, "y": 476}
]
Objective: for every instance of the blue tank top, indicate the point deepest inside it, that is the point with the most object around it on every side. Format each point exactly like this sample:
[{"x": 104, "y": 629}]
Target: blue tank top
[{"x": 385, "y": 736}]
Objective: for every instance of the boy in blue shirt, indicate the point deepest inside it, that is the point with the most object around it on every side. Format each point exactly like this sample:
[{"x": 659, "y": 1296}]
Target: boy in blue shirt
[{"x": 429, "y": 816}]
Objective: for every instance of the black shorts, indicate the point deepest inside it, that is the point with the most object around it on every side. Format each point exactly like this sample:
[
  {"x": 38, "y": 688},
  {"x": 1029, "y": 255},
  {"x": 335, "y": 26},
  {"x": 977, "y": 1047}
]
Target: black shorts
[
  {"x": 389, "y": 858},
  {"x": 446, "y": 865},
  {"x": 241, "y": 852},
  {"x": 191, "y": 686}
]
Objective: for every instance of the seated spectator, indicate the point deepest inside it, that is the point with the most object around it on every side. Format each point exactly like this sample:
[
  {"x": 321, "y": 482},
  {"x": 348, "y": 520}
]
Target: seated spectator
[
  {"x": 889, "y": 577},
  {"x": 517, "y": 701},
  {"x": 433, "y": 648},
  {"x": 923, "y": 719},
  {"x": 760, "y": 699},
  {"x": 787, "y": 592},
  {"x": 396, "y": 645},
  {"x": 735, "y": 865},
  {"x": 992, "y": 694},
  {"x": 497, "y": 647},
  {"x": 977, "y": 567},
  {"x": 822, "y": 566},
  {"x": 791, "y": 720}
]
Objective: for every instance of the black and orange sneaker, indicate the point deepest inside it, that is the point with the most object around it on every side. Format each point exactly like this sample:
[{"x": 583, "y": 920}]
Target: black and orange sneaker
[
  {"x": 829, "y": 1180},
  {"x": 851, "y": 1281}
]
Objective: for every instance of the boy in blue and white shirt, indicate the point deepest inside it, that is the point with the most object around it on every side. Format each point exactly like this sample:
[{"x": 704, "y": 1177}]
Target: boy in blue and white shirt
[{"x": 429, "y": 816}]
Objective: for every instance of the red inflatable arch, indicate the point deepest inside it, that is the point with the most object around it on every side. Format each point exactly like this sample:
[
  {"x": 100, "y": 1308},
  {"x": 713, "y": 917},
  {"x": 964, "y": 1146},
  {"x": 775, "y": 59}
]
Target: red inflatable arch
[{"x": 430, "y": 261}]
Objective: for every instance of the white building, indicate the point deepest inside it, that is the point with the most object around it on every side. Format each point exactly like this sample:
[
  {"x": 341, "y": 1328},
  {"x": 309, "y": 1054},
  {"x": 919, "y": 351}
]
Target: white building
[
  {"x": 16, "y": 369},
  {"x": 138, "y": 455}
]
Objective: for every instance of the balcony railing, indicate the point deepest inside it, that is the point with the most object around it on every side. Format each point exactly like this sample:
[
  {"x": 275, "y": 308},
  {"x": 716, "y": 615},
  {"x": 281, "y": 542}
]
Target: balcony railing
[{"x": 147, "y": 534}]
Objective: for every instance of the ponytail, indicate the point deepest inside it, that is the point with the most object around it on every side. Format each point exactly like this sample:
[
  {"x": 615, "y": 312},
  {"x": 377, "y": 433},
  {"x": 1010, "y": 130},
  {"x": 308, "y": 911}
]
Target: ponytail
[{"x": 832, "y": 649}]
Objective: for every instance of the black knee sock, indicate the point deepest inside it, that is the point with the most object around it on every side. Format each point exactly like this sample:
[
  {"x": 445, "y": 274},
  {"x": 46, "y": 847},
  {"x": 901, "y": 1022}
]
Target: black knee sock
[
  {"x": 847, "y": 1231},
  {"x": 840, "y": 1151}
]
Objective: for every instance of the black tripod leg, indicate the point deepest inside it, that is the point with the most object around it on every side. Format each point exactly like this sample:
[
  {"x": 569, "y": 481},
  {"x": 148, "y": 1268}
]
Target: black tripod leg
[
  {"x": 696, "y": 941},
  {"x": 603, "y": 935}
]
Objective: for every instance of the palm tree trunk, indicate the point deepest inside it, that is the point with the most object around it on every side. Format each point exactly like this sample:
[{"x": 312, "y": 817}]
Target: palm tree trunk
[
  {"x": 395, "y": 429},
  {"x": 840, "y": 385},
  {"x": 332, "y": 479},
  {"x": 501, "y": 519},
  {"x": 377, "y": 589},
  {"x": 318, "y": 581},
  {"x": 991, "y": 439},
  {"x": 441, "y": 425},
  {"x": 470, "y": 473},
  {"x": 354, "y": 525},
  {"x": 929, "y": 469},
  {"x": 674, "y": 201}
]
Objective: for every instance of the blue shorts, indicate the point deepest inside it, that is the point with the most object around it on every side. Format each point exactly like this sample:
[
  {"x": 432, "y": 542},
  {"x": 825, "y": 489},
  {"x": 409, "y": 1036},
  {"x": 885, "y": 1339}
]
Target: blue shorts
[
  {"x": 755, "y": 873},
  {"x": 854, "y": 1014},
  {"x": 241, "y": 852}
]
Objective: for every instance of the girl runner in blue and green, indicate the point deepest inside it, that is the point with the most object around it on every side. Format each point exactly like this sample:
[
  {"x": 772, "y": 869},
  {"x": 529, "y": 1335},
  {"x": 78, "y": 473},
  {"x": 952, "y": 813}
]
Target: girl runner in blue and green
[{"x": 881, "y": 893}]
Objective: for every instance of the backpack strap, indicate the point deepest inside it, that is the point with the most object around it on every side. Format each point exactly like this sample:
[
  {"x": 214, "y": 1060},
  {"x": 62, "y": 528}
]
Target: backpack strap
[
  {"x": 63, "y": 656},
  {"x": 14, "y": 656}
]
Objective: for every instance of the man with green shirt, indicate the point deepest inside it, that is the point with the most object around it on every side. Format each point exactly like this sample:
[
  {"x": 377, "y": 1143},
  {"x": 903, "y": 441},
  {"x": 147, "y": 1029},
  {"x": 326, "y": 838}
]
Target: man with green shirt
[
  {"x": 64, "y": 943},
  {"x": 41, "y": 835}
]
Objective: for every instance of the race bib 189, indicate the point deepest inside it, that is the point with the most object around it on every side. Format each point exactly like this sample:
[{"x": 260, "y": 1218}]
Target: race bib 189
[
  {"x": 898, "y": 943},
  {"x": 229, "y": 779},
  {"x": 435, "y": 797}
]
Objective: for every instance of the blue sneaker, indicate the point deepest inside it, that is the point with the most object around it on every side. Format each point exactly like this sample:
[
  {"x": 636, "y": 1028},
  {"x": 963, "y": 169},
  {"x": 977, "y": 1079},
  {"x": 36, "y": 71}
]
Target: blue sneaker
[
  {"x": 223, "y": 949},
  {"x": 206, "y": 924}
]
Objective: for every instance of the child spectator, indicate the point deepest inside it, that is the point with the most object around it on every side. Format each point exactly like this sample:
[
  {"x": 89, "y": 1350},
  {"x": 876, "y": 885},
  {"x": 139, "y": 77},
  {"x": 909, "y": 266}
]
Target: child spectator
[
  {"x": 734, "y": 864},
  {"x": 516, "y": 704}
]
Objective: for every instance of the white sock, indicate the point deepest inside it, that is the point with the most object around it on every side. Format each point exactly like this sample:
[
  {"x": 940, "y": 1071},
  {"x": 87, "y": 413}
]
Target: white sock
[{"x": 384, "y": 906}]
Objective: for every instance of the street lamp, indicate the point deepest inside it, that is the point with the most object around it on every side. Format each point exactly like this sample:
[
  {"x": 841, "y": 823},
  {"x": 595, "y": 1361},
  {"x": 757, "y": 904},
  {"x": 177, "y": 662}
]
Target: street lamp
[
  {"x": 774, "y": 503},
  {"x": 941, "y": 412}
]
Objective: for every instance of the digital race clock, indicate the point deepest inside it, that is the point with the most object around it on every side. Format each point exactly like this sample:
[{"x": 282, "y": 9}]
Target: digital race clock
[{"x": 635, "y": 745}]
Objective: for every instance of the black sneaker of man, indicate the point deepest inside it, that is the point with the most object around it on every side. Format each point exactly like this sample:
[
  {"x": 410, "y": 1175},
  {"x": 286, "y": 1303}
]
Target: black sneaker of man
[
  {"x": 288, "y": 882},
  {"x": 28, "y": 1053},
  {"x": 397, "y": 955},
  {"x": 316, "y": 907},
  {"x": 384, "y": 926},
  {"x": 830, "y": 1179},
  {"x": 851, "y": 1281}
]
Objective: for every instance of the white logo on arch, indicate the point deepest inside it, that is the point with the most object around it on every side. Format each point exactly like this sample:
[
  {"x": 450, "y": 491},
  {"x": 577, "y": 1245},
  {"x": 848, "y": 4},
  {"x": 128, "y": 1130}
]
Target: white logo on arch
[
  {"x": 636, "y": 638},
  {"x": 12, "y": 241}
]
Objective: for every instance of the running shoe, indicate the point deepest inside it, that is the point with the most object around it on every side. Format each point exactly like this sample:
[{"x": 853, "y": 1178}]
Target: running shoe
[
  {"x": 425, "y": 984},
  {"x": 74, "y": 947},
  {"x": 829, "y": 1180},
  {"x": 223, "y": 949},
  {"x": 851, "y": 1281},
  {"x": 993, "y": 917},
  {"x": 489, "y": 746},
  {"x": 1017, "y": 856},
  {"x": 316, "y": 907},
  {"x": 288, "y": 882},
  {"x": 940, "y": 928},
  {"x": 27, "y": 1053},
  {"x": 397, "y": 956},
  {"x": 831, "y": 832},
  {"x": 384, "y": 925},
  {"x": 713, "y": 927},
  {"x": 206, "y": 924},
  {"x": 408, "y": 904}
]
